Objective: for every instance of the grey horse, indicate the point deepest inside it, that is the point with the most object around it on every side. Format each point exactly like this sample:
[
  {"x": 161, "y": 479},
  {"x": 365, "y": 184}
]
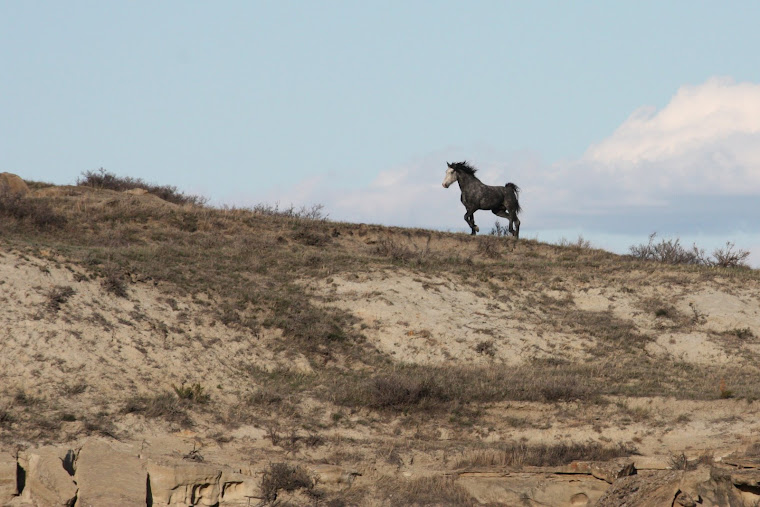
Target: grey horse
[{"x": 502, "y": 201}]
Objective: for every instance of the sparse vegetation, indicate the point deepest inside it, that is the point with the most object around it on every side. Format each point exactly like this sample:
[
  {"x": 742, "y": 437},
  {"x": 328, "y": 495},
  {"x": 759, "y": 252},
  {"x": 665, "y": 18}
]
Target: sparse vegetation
[
  {"x": 680, "y": 462},
  {"x": 743, "y": 333},
  {"x": 499, "y": 230},
  {"x": 113, "y": 282},
  {"x": 580, "y": 243},
  {"x": 31, "y": 212},
  {"x": 104, "y": 179},
  {"x": 309, "y": 213},
  {"x": 486, "y": 347},
  {"x": 518, "y": 455},
  {"x": 283, "y": 477},
  {"x": 58, "y": 296},
  {"x": 729, "y": 257},
  {"x": 276, "y": 285},
  {"x": 166, "y": 406},
  {"x": 670, "y": 251},
  {"x": 425, "y": 491},
  {"x": 193, "y": 392}
]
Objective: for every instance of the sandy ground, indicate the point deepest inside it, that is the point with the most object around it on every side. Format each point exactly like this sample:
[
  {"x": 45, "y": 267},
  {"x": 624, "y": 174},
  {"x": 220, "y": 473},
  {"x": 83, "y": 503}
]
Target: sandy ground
[{"x": 97, "y": 347}]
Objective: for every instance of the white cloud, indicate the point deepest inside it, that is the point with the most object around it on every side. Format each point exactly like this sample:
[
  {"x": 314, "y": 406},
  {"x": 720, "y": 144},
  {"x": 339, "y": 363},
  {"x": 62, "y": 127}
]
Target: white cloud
[{"x": 706, "y": 140}]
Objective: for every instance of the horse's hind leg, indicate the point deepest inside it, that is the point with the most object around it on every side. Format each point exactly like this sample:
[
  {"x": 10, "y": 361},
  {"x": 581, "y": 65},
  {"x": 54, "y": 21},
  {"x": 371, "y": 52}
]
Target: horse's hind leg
[{"x": 516, "y": 221}]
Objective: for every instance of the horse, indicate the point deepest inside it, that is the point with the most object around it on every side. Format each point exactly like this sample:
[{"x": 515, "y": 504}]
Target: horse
[{"x": 476, "y": 195}]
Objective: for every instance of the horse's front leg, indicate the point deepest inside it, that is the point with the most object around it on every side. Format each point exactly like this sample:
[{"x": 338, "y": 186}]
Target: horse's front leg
[{"x": 470, "y": 219}]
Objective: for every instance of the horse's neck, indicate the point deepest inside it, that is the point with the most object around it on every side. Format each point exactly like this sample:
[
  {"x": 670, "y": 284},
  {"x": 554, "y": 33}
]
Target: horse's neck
[{"x": 468, "y": 181}]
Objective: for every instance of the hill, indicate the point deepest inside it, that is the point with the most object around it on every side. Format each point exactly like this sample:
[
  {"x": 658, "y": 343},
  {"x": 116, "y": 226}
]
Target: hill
[{"x": 236, "y": 356}]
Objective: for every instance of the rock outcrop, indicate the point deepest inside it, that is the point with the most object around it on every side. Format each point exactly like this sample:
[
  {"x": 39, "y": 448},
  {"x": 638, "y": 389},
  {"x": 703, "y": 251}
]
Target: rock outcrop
[
  {"x": 98, "y": 471},
  {"x": 104, "y": 473},
  {"x": 13, "y": 184}
]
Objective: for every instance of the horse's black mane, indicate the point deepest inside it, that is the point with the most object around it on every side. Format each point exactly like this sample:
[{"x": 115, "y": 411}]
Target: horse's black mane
[{"x": 464, "y": 167}]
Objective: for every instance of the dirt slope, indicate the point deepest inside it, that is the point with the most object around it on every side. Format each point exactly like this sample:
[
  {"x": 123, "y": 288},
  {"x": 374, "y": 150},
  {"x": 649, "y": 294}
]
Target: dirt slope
[{"x": 396, "y": 355}]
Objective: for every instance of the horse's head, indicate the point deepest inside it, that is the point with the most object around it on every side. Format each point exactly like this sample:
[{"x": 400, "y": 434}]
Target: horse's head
[{"x": 451, "y": 176}]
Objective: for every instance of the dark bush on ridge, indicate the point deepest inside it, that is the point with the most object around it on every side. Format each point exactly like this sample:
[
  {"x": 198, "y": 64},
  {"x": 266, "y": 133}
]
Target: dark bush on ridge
[
  {"x": 670, "y": 251},
  {"x": 103, "y": 179},
  {"x": 37, "y": 212}
]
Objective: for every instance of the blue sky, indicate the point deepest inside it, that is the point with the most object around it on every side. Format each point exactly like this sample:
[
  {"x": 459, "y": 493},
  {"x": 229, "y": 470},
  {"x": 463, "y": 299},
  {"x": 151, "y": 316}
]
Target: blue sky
[{"x": 617, "y": 119}]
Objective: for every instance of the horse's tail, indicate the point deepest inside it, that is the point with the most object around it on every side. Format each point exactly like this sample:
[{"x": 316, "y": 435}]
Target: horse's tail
[{"x": 514, "y": 188}]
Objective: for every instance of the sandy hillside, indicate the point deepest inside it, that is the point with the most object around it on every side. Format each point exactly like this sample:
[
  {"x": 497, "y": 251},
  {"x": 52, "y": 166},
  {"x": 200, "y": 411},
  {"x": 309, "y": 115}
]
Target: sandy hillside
[{"x": 393, "y": 366}]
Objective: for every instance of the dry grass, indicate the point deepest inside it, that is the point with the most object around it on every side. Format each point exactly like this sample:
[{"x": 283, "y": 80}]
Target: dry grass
[
  {"x": 670, "y": 251},
  {"x": 22, "y": 213},
  {"x": 166, "y": 406},
  {"x": 58, "y": 296},
  {"x": 425, "y": 491},
  {"x": 283, "y": 477},
  {"x": 104, "y": 179},
  {"x": 257, "y": 266},
  {"x": 518, "y": 455}
]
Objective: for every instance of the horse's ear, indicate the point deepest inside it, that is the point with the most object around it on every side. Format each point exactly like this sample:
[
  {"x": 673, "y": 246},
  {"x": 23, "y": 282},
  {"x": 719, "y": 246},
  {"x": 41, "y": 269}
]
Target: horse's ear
[{"x": 448, "y": 164}]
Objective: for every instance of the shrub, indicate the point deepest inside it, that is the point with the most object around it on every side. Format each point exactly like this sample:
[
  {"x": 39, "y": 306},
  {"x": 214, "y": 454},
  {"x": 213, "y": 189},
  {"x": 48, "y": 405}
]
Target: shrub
[
  {"x": 544, "y": 455},
  {"x": 162, "y": 406},
  {"x": 580, "y": 243},
  {"x": 315, "y": 212},
  {"x": 103, "y": 179},
  {"x": 58, "y": 296},
  {"x": 403, "y": 392},
  {"x": 670, "y": 251},
  {"x": 283, "y": 477},
  {"x": 400, "y": 252},
  {"x": 193, "y": 392},
  {"x": 741, "y": 333},
  {"x": 499, "y": 230},
  {"x": 489, "y": 246},
  {"x": 37, "y": 212},
  {"x": 114, "y": 283},
  {"x": 728, "y": 257},
  {"x": 425, "y": 491},
  {"x": 486, "y": 347}
]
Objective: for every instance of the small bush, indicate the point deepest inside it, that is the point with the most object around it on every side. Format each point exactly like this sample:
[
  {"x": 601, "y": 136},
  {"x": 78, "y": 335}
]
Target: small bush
[
  {"x": 264, "y": 396},
  {"x": 113, "y": 283},
  {"x": 58, "y": 296},
  {"x": 499, "y": 230},
  {"x": 307, "y": 237},
  {"x": 725, "y": 392},
  {"x": 404, "y": 392},
  {"x": 283, "y": 477},
  {"x": 163, "y": 406},
  {"x": 728, "y": 257},
  {"x": 543, "y": 455},
  {"x": 425, "y": 491},
  {"x": 315, "y": 212},
  {"x": 103, "y": 179},
  {"x": 486, "y": 348},
  {"x": 489, "y": 246},
  {"x": 400, "y": 252},
  {"x": 680, "y": 462},
  {"x": 743, "y": 333},
  {"x": 34, "y": 211},
  {"x": 193, "y": 392},
  {"x": 580, "y": 243},
  {"x": 670, "y": 251}
]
